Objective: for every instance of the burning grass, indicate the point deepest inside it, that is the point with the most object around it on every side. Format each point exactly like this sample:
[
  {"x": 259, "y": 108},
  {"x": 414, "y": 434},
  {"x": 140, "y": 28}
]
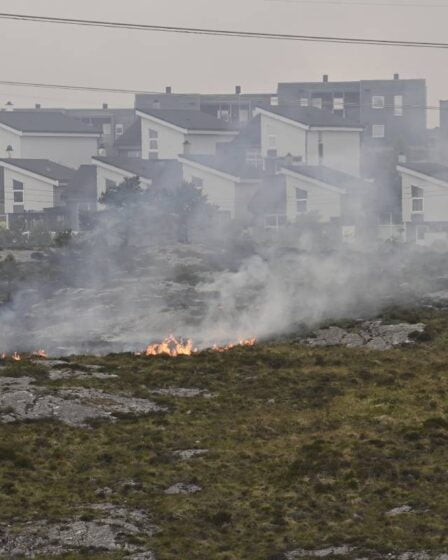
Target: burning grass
[{"x": 308, "y": 448}]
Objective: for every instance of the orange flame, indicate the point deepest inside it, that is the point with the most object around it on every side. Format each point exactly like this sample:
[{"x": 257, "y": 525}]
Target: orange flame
[
  {"x": 16, "y": 357},
  {"x": 247, "y": 342},
  {"x": 40, "y": 354},
  {"x": 172, "y": 347}
]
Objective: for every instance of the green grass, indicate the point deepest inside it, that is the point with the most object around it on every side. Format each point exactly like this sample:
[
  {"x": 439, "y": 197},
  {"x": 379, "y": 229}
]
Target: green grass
[{"x": 309, "y": 448}]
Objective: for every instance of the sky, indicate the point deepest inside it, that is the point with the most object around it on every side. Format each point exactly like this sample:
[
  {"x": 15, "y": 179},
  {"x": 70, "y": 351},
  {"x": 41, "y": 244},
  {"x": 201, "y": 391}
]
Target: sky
[{"x": 37, "y": 52}]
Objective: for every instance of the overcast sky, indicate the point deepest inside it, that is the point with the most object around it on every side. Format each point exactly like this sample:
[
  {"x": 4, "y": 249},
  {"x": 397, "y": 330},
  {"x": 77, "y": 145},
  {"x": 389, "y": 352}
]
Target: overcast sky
[{"x": 150, "y": 61}]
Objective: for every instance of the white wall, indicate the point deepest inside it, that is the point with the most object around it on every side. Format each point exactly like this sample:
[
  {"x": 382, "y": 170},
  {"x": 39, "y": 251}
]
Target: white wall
[
  {"x": 219, "y": 190},
  {"x": 325, "y": 203},
  {"x": 66, "y": 150},
  {"x": 37, "y": 194},
  {"x": 171, "y": 141},
  {"x": 290, "y": 138},
  {"x": 8, "y": 138},
  {"x": 342, "y": 150},
  {"x": 435, "y": 198}
]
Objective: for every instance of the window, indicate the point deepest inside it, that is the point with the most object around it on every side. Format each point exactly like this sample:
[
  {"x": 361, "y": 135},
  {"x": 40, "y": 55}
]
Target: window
[
  {"x": 398, "y": 105},
  {"x": 320, "y": 149},
  {"x": 18, "y": 197},
  {"x": 304, "y": 102},
  {"x": 119, "y": 129},
  {"x": 274, "y": 100},
  {"x": 153, "y": 144},
  {"x": 224, "y": 114},
  {"x": 377, "y": 102},
  {"x": 378, "y": 131},
  {"x": 317, "y": 102},
  {"x": 274, "y": 221},
  {"x": 107, "y": 129},
  {"x": 417, "y": 199},
  {"x": 301, "y": 201},
  {"x": 272, "y": 141},
  {"x": 254, "y": 157},
  {"x": 338, "y": 104},
  {"x": 17, "y": 185}
]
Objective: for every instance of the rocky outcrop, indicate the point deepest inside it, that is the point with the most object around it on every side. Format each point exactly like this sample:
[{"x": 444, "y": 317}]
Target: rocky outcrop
[
  {"x": 370, "y": 334},
  {"x": 112, "y": 530}
]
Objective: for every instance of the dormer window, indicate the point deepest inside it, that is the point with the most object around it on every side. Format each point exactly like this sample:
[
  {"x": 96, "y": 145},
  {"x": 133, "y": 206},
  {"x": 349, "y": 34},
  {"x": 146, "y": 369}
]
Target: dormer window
[{"x": 378, "y": 102}]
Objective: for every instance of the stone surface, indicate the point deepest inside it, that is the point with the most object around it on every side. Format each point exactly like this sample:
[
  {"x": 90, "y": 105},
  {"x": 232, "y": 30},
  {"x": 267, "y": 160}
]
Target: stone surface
[
  {"x": 112, "y": 530},
  {"x": 182, "y": 488},
  {"x": 190, "y": 453},
  {"x": 399, "y": 511},
  {"x": 322, "y": 553},
  {"x": 182, "y": 392},
  {"x": 21, "y": 400},
  {"x": 371, "y": 334}
]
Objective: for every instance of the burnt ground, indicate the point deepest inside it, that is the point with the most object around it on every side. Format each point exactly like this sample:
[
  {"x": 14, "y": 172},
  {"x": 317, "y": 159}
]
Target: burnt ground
[{"x": 282, "y": 450}]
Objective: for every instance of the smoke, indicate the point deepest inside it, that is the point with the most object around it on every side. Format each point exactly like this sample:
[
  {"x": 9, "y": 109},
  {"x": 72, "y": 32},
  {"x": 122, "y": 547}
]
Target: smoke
[{"x": 125, "y": 285}]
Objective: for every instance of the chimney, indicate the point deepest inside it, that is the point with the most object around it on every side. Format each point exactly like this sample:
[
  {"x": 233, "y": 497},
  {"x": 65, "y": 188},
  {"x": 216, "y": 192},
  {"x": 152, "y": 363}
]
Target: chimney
[
  {"x": 168, "y": 90},
  {"x": 37, "y": 105},
  {"x": 187, "y": 148},
  {"x": 396, "y": 76},
  {"x": 101, "y": 150},
  {"x": 105, "y": 106},
  {"x": 238, "y": 90},
  {"x": 325, "y": 78},
  {"x": 288, "y": 160}
]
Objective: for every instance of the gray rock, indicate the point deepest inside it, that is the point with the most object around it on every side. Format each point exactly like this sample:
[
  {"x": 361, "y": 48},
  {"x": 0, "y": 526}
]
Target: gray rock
[
  {"x": 190, "y": 453},
  {"x": 22, "y": 401},
  {"x": 58, "y": 374},
  {"x": 322, "y": 553},
  {"x": 182, "y": 488},
  {"x": 111, "y": 531},
  {"x": 399, "y": 511}
]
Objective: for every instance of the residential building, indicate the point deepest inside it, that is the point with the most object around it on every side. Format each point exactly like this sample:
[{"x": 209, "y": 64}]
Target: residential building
[
  {"x": 311, "y": 136},
  {"x": 425, "y": 201},
  {"x": 129, "y": 144},
  {"x": 228, "y": 183},
  {"x": 32, "y": 185},
  {"x": 237, "y": 108},
  {"x": 47, "y": 135},
  {"x": 167, "y": 133},
  {"x": 111, "y": 172}
]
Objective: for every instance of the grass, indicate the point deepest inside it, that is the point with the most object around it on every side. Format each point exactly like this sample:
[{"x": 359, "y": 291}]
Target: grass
[{"x": 309, "y": 448}]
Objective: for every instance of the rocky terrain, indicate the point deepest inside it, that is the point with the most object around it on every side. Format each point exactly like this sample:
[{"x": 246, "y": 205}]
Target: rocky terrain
[{"x": 319, "y": 447}]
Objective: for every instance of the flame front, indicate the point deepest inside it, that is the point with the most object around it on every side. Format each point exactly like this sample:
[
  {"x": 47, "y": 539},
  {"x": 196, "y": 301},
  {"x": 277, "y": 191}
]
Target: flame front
[{"x": 172, "y": 347}]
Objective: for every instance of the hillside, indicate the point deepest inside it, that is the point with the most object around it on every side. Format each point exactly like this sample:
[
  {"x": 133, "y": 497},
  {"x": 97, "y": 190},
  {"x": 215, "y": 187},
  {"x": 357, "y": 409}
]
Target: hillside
[{"x": 299, "y": 449}]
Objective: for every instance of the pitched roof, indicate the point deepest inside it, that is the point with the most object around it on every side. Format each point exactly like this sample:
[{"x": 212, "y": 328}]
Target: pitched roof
[
  {"x": 234, "y": 166},
  {"x": 436, "y": 170},
  {"x": 190, "y": 119},
  {"x": 83, "y": 185},
  {"x": 51, "y": 122},
  {"x": 311, "y": 116},
  {"x": 329, "y": 176},
  {"x": 153, "y": 169},
  {"x": 132, "y": 136},
  {"x": 43, "y": 167}
]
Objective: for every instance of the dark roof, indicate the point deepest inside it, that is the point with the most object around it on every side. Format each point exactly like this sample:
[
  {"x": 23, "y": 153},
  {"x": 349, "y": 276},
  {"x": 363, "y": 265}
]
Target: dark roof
[
  {"x": 329, "y": 176},
  {"x": 83, "y": 185},
  {"x": 311, "y": 116},
  {"x": 190, "y": 119},
  {"x": 132, "y": 136},
  {"x": 45, "y": 122},
  {"x": 153, "y": 169},
  {"x": 436, "y": 170},
  {"x": 43, "y": 167},
  {"x": 235, "y": 166}
]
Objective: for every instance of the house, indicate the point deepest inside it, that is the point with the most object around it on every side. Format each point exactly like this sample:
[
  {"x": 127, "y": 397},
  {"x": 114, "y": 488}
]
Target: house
[
  {"x": 80, "y": 197},
  {"x": 167, "y": 133},
  {"x": 32, "y": 185},
  {"x": 228, "y": 183},
  {"x": 111, "y": 172},
  {"x": 129, "y": 144},
  {"x": 331, "y": 196},
  {"x": 424, "y": 189},
  {"x": 312, "y": 136},
  {"x": 237, "y": 107},
  {"x": 49, "y": 135}
]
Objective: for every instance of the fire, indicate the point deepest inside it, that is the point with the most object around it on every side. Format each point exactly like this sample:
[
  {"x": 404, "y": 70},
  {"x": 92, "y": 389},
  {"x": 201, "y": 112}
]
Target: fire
[
  {"x": 173, "y": 347},
  {"x": 40, "y": 354}
]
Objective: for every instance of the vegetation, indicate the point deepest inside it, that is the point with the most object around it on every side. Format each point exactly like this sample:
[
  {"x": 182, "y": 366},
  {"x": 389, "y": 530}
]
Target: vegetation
[{"x": 308, "y": 448}]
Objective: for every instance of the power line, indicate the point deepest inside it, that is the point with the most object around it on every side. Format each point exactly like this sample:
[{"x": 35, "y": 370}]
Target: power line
[
  {"x": 224, "y": 32},
  {"x": 361, "y": 3}
]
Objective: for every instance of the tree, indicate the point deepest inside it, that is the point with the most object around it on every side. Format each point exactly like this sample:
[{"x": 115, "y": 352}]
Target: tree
[{"x": 126, "y": 193}]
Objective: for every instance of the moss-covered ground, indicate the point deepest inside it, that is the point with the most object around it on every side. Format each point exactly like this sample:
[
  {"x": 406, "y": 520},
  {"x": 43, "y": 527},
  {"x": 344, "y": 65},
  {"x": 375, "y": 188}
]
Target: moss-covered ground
[{"x": 309, "y": 447}]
